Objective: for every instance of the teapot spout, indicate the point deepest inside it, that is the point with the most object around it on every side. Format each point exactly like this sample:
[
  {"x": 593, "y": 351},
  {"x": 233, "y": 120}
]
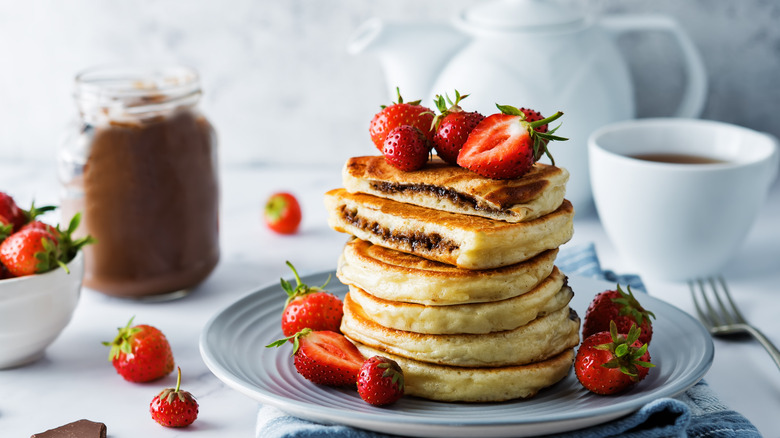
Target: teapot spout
[{"x": 411, "y": 54}]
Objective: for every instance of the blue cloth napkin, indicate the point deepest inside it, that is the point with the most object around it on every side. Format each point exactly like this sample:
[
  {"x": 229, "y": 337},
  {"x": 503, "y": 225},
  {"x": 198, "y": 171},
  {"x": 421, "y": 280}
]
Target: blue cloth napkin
[{"x": 697, "y": 413}]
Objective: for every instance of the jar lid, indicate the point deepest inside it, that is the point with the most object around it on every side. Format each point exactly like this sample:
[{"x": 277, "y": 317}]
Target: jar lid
[
  {"x": 136, "y": 89},
  {"x": 518, "y": 15}
]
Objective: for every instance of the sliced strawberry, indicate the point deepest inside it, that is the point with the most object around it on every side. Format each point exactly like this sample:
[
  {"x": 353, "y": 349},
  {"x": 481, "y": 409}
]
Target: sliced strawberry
[
  {"x": 452, "y": 127},
  {"x": 325, "y": 357},
  {"x": 397, "y": 114},
  {"x": 505, "y": 146},
  {"x": 406, "y": 148}
]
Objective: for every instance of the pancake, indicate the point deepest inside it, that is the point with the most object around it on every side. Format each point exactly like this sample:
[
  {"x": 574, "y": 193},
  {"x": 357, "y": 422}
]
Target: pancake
[
  {"x": 442, "y": 186},
  {"x": 509, "y": 314},
  {"x": 457, "y": 384},
  {"x": 543, "y": 337},
  {"x": 469, "y": 242},
  {"x": 396, "y": 276}
]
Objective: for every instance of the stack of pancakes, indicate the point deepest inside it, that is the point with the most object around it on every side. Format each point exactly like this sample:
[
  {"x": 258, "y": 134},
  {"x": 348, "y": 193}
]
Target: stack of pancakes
[{"x": 452, "y": 276}]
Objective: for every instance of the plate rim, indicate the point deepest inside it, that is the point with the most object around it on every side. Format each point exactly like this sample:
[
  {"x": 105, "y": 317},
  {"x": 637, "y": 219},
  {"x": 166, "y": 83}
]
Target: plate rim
[{"x": 422, "y": 425}]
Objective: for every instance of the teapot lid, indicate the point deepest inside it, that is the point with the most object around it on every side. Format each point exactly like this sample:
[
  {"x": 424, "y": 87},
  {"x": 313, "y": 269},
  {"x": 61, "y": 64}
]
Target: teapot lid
[{"x": 516, "y": 15}]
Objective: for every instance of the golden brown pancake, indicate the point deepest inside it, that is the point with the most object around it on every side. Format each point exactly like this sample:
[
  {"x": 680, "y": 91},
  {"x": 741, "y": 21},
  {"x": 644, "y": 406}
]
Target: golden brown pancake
[
  {"x": 508, "y": 314},
  {"x": 442, "y": 186},
  {"x": 397, "y": 276},
  {"x": 470, "y": 242},
  {"x": 476, "y": 384},
  {"x": 541, "y": 338}
]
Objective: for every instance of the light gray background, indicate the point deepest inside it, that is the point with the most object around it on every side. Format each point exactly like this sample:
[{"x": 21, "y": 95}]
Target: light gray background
[{"x": 280, "y": 86}]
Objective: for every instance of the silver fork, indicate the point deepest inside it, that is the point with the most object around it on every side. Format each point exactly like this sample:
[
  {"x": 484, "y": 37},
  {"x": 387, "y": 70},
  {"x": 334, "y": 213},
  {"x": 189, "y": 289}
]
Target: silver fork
[{"x": 724, "y": 318}]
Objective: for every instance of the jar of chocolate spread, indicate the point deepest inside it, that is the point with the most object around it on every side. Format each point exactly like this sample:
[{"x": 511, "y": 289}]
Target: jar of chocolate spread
[{"x": 141, "y": 167}]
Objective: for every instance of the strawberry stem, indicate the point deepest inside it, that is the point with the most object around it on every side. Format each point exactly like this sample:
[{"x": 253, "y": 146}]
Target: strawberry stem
[
  {"x": 178, "y": 379},
  {"x": 546, "y": 120}
]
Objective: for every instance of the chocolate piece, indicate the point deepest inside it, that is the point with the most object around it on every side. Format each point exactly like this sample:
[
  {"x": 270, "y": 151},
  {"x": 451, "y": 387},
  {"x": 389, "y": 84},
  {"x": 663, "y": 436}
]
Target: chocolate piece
[{"x": 77, "y": 429}]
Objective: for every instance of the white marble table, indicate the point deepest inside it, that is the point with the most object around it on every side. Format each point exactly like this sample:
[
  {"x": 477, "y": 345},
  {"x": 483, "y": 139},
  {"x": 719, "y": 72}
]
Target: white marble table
[{"x": 75, "y": 380}]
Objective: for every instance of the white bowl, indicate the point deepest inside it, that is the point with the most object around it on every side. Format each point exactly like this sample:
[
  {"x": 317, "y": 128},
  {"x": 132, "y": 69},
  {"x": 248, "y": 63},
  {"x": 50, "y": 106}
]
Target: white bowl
[{"x": 35, "y": 309}]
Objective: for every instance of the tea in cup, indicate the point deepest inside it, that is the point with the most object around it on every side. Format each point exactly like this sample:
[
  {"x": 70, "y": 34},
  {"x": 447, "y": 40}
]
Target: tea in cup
[{"x": 676, "y": 196}]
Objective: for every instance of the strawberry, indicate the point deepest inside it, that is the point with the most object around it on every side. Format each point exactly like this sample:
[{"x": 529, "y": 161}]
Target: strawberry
[
  {"x": 406, "y": 148},
  {"x": 533, "y": 116},
  {"x": 621, "y": 307},
  {"x": 282, "y": 213},
  {"x": 6, "y": 227},
  {"x": 16, "y": 215},
  {"x": 310, "y": 307},
  {"x": 397, "y": 114},
  {"x": 324, "y": 357},
  {"x": 506, "y": 145},
  {"x": 10, "y": 211},
  {"x": 609, "y": 362},
  {"x": 140, "y": 353},
  {"x": 174, "y": 407},
  {"x": 452, "y": 127},
  {"x": 381, "y": 381},
  {"x": 29, "y": 252},
  {"x": 42, "y": 226}
]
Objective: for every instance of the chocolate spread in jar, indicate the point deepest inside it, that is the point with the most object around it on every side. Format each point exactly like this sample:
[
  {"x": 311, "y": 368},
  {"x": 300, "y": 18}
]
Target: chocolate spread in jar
[{"x": 151, "y": 202}]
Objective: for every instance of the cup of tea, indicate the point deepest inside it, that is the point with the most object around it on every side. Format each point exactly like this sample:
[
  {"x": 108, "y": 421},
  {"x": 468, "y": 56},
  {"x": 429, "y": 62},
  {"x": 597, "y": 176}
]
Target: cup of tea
[{"x": 678, "y": 196}]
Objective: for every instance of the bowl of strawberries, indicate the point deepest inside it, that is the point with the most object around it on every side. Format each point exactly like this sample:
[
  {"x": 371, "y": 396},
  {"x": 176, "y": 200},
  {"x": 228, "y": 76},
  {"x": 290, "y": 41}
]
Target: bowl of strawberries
[{"x": 41, "y": 269}]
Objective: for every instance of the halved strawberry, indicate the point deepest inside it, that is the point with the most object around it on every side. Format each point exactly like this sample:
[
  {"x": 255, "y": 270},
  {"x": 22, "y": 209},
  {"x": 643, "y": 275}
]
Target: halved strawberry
[
  {"x": 397, "y": 114},
  {"x": 506, "y": 145},
  {"x": 452, "y": 127},
  {"x": 324, "y": 357}
]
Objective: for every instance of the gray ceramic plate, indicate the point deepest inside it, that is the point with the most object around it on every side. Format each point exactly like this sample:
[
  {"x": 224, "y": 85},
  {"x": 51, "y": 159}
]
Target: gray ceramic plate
[{"x": 233, "y": 347}]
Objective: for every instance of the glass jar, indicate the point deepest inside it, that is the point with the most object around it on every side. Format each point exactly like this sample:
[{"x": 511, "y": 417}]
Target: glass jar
[{"x": 141, "y": 167}]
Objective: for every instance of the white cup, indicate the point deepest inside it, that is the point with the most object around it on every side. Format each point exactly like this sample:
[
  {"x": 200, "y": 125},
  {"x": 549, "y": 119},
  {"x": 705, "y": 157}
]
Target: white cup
[{"x": 679, "y": 221}]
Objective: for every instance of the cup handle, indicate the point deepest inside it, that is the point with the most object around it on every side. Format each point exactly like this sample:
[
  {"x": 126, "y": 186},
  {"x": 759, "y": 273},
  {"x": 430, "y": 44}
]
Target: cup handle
[{"x": 693, "y": 99}]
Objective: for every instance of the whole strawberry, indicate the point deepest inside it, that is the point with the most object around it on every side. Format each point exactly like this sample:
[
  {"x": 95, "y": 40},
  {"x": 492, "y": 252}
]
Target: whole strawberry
[
  {"x": 309, "y": 307},
  {"x": 381, "y": 381},
  {"x": 452, "y": 127},
  {"x": 506, "y": 145},
  {"x": 397, "y": 114},
  {"x": 10, "y": 211},
  {"x": 140, "y": 353},
  {"x": 406, "y": 148},
  {"x": 324, "y": 357},
  {"x": 621, "y": 307},
  {"x": 533, "y": 116},
  {"x": 29, "y": 252},
  {"x": 610, "y": 362},
  {"x": 174, "y": 407},
  {"x": 18, "y": 216}
]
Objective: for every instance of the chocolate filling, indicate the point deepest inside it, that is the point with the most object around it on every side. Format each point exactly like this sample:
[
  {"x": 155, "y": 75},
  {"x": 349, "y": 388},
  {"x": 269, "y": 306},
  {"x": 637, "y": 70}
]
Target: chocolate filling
[
  {"x": 415, "y": 241},
  {"x": 456, "y": 198}
]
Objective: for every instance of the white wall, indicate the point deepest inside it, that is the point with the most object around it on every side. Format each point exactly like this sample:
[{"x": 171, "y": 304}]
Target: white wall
[{"x": 280, "y": 86}]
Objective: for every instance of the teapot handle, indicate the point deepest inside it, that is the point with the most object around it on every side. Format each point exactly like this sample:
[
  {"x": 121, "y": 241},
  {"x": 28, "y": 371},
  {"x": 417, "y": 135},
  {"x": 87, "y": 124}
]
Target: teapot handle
[{"x": 692, "y": 102}]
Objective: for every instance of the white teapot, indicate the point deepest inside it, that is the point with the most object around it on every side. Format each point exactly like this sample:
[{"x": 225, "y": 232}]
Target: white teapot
[{"x": 529, "y": 53}]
